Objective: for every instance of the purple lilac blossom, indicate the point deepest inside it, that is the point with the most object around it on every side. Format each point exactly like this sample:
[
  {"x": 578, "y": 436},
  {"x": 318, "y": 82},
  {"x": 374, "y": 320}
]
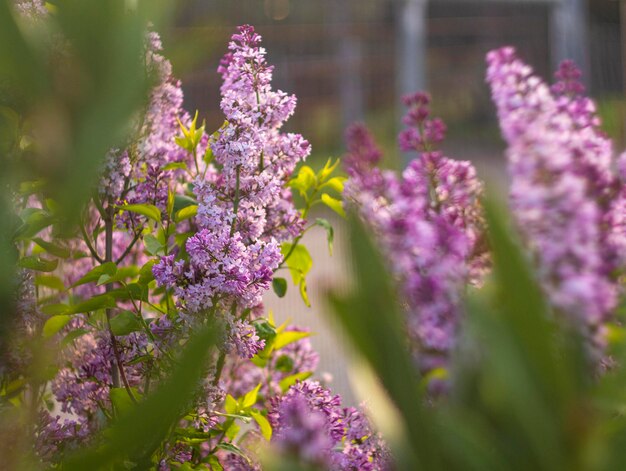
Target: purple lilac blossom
[
  {"x": 568, "y": 203},
  {"x": 55, "y": 435},
  {"x": 241, "y": 375},
  {"x": 428, "y": 219},
  {"x": 245, "y": 210},
  {"x": 83, "y": 383},
  {"x": 27, "y": 324},
  {"x": 139, "y": 173},
  {"x": 310, "y": 425}
]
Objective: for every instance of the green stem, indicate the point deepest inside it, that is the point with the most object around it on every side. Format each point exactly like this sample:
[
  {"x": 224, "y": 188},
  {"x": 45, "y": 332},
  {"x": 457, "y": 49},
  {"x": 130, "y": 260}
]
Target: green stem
[
  {"x": 236, "y": 202},
  {"x": 117, "y": 369}
]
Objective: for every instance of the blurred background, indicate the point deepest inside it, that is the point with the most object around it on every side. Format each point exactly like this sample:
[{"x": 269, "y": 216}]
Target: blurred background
[{"x": 352, "y": 60}]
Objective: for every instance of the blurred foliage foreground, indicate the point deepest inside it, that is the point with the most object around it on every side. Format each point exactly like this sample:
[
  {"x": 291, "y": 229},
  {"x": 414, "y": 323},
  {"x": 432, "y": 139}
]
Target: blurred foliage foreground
[{"x": 522, "y": 397}]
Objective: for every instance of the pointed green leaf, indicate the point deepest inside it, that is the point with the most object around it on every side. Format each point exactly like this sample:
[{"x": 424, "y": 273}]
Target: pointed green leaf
[
  {"x": 54, "y": 249},
  {"x": 289, "y": 381},
  {"x": 55, "y": 324},
  {"x": 289, "y": 336},
  {"x": 264, "y": 425},
  {"x": 34, "y": 262},
  {"x": 124, "y": 323},
  {"x": 330, "y": 232},
  {"x": 148, "y": 210},
  {"x": 251, "y": 397},
  {"x": 280, "y": 286},
  {"x": 334, "y": 204}
]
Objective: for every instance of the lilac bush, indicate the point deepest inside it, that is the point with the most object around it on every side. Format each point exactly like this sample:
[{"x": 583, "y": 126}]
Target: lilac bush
[{"x": 184, "y": 229}]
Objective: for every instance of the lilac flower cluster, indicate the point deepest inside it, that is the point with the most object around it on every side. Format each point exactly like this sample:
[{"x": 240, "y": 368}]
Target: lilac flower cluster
[
  {"x": 564, "y": 193},
  {"x": 295, "y": 357},
  {"x": 27, "y": 323},
  {"x": 143, "y": 172},
  {"x": 428, "y": 219},
  {"x": 54, "y": 435},
  {"x": 311, "y": 426},
  {"x": 83, "y": 383},
  {"x": 244, "y": 211}
]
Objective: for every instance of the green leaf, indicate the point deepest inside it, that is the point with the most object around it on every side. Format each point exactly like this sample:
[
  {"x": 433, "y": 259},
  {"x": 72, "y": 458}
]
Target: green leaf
[
  {"x": 231, "y": 405},
  {"x": 289, "y": 336},
  {"x": 104, "y": 278},
  {"x": 232, "y": 431},
  {"x": 102, "y": 301},
  {"x": 289, "y": 381},
  {"x": 280, "y": 286},
  {"x": 299, "y": 262},
  {"x": 125, "y": 323},
  {"x": 170, "y": 202},
  {"x": 55, "y": 250},
  {"x": 55, "y": 309},
  {"x": 231, "y": 448},
  {"x": 145, "y": 272},
  {"x": 183, "y": 201},
  {"x": 175, "y": 166},
  {"x": 55, "y": 324},
  {"x": 33, "y": 262},
  {"x": 215, "y": 464},
  {"x": 335, "y": 183},
  {"x": 186, "y": 213},
  {"x": 330, "y": 232},
  {"x": 50, "y": 281},
  {"x": 121, "y": 400},
  {"x": 95, "y": 273},
  {"x": 251, "y": 397},
  {"x": 148, "y": 210},
  {"x": 334, "y": 204},
  {"x": 382, "y": 342},
  {"x": 304, "y": 181},
  {"x": 153, "y": 246},
  {"x": 73, "y": 335},
  {"x": 34, "y": 222},
  {"x": 284, "y": 363},
  {"x": 328, "y": 169},
  {"x": 264, "y": 425},
  {"x": 303, "y": 292},
  {"x": 208, "y": 155},
  {"x": 122, "y": 274}
]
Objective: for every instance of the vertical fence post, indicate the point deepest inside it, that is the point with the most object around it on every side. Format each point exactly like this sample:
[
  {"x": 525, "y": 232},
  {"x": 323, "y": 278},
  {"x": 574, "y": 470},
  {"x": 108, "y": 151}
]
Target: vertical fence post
[
  {"x": 570, "y": 34},
  {"x": 411, "y": 48},
  {"x": 348, "y": 57}
]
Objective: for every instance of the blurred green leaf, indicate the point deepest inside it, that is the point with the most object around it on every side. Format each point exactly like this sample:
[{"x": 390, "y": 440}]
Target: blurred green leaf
[
  {"x": 125, "y": 323},
  {"x": 299, "y": 261},
  {"x": 54, "y": 249},
  {"x": 334, "y": 204},
  {"x": 93, "y": 275},
  {"x": 34, "y": 262},
  {"x": 289, "y": 381},
  {"x": 372, "y": 319},
  {"x": 264, "y": 425},
  {"x": 136, "y": 434},
  {"x": 55, "y": 324},
  {"x": 102, "y": 301}
]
